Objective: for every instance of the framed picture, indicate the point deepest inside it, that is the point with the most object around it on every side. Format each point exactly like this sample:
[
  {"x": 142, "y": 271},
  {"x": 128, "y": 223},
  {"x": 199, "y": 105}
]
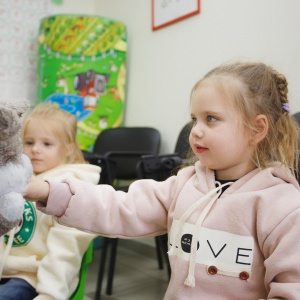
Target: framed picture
[{"x": 166, "y": 12}]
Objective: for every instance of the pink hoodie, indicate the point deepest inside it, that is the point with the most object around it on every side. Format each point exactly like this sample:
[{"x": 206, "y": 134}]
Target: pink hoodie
[{"x": 248, "y": 239}]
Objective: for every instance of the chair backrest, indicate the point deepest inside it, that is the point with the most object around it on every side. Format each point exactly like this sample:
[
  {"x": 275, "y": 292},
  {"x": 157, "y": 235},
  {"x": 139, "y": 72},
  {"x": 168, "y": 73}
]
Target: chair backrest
[
  {"x": 297, "y": 119},
  {"x": 160, "y": 167},
  {"x": 124, "y": 146},
  {"x": 182, "y": 145}
]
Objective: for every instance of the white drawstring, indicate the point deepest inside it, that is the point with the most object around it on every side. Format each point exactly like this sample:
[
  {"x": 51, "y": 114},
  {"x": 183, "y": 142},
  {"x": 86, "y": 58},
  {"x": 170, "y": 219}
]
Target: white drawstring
[
  {"x": 190, "y": 280},
  {"x": 7, "y": 249},
  {"x": 186, "y": 215}
]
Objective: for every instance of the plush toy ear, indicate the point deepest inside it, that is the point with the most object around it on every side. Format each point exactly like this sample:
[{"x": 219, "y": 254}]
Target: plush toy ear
[
  {"x": 9, "y": 122},
  {"x": 19, "y": 107}
]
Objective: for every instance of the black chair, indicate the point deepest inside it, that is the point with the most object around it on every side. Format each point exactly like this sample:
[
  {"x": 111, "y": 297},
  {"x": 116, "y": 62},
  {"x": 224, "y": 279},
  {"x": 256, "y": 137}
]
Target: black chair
[
  {"x": 103, "y": 163},
  {"x": 297, "y": 119},
  {"x": 182, "y": 147},
  {"x": 119, "y": 150},
  {"x": 160, "y": 167}
]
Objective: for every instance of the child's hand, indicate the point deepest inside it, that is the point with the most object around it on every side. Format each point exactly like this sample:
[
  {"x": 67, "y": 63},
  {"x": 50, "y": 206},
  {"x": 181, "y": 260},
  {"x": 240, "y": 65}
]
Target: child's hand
[{"x": 37, "y": 190}]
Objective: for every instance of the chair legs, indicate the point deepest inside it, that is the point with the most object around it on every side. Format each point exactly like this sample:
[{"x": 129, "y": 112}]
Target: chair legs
[
  {"x": 112, "y": 262},
  {"x": 112, "y": 243},
  {"x": 162, "y": 241},
  {"x": 159, "y": 253},
  {"x": 101, "y": 268}
]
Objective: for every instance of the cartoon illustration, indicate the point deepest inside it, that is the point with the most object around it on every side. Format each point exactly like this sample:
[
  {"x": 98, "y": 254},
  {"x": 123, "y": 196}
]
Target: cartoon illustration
[
  {"x": 91, "y": 85},
  {"x": 82, "y": 69}
]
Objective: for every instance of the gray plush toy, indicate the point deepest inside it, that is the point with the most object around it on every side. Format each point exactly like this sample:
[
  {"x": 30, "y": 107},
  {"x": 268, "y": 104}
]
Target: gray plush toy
[{"x": 15, "y": 167}]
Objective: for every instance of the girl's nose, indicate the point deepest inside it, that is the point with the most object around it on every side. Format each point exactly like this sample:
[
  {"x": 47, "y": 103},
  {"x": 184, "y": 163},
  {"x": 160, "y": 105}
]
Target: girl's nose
[
  {"x": 36, "y": 148},
  {"x": 197, "y": 130}
]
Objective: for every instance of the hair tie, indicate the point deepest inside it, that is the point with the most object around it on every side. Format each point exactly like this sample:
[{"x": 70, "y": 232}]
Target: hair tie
[{"x": 285, "y": 107}]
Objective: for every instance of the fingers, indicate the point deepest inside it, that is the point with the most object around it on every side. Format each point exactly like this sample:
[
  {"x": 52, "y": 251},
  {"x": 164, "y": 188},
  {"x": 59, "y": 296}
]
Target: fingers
[{"x": 37, "y": 190}]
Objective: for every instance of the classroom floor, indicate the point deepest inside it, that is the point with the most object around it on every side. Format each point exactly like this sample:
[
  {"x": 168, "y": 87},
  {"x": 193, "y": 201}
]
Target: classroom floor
[{"x": 137, "y": 276}]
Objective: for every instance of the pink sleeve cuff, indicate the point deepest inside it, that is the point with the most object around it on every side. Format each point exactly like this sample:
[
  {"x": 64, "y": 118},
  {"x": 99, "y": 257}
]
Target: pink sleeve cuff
[{"x": 58, "y": 200}]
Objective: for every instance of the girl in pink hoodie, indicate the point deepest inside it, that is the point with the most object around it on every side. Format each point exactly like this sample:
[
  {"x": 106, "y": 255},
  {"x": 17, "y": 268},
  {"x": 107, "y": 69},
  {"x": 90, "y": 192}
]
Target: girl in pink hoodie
[{"x": 233, "y": 217}]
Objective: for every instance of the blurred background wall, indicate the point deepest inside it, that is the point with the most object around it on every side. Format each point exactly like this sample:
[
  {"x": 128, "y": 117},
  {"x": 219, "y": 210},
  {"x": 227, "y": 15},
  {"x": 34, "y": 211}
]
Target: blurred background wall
[{"x": 163, "y": 65}]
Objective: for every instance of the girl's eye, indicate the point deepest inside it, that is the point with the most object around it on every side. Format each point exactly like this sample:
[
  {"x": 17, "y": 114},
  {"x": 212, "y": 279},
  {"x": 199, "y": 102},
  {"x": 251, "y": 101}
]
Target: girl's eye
[
  {"x": 211, "y": 119},
  {"x": 28, "y": 143},
  {"x": 194, "y": 121},
  {"x": 47, "y": 144}
]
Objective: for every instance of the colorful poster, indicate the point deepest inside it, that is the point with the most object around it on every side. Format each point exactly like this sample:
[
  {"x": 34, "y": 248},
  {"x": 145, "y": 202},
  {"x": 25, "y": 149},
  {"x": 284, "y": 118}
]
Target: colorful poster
[{"x": 82, "y": 69}]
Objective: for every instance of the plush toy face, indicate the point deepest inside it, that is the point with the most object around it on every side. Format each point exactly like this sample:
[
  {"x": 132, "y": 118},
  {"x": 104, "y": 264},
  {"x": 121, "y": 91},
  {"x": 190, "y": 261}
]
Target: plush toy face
[
  {"x": 15, "y": 168},
  {"x": 10, "y": 144}
]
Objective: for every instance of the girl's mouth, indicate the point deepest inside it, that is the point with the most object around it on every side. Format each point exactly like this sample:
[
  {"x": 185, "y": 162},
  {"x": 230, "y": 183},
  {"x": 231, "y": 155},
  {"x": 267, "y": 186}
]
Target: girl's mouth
[
  {"x": 200, "y": 149},
  {"x": 35, "y": 160}
]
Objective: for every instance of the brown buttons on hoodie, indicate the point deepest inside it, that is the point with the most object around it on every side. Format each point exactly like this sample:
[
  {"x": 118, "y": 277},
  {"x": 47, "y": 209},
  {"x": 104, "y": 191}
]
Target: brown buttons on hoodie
[
  {"x": 244, "y": 275},
  {"x": 212, "y": 270}
]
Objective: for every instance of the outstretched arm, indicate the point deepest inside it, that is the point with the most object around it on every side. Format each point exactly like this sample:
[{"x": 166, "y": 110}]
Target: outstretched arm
[{"x": 37, "y": 190}]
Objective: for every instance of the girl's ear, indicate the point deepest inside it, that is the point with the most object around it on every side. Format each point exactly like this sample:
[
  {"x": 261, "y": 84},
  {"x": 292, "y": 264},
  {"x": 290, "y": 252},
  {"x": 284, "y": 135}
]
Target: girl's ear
[
  {"x": 260, "y": 129},
  {"x": 70, "y": 149}
]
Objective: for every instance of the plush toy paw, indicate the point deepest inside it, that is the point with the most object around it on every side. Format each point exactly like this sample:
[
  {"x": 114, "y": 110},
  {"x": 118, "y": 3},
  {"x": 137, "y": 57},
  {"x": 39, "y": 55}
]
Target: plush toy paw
[{"x": 10, "y": 218}]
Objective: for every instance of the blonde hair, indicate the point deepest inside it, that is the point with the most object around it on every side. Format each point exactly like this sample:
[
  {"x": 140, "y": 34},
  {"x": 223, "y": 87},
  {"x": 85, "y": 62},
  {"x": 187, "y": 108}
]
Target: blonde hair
[
  {"x": 258, "y": 89},
  {"x": 64, "y": 127}
]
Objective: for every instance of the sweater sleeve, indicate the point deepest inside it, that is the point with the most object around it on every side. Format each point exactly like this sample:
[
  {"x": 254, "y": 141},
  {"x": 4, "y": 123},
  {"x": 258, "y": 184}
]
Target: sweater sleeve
[
  {"x": 139, "y": 213},
  {"x": 282, "y": 261},
  {"x": 61, "y": 193},
  {"x": 58, "y": 272}
]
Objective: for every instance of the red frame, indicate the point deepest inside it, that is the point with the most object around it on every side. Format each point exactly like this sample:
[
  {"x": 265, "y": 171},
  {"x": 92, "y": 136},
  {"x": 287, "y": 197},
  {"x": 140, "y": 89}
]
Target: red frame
[{"x": 156, "y": 27}]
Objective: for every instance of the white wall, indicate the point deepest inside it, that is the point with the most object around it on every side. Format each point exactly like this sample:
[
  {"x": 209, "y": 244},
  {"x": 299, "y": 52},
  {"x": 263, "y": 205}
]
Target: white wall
[
  {"x": 163, "y": 65},
  {"x": 79, "y": 6}
]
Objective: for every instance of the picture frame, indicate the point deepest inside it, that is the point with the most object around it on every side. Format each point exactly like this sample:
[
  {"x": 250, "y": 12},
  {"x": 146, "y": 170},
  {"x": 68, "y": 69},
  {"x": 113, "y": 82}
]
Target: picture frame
[{"x": 167, "y": 12}]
